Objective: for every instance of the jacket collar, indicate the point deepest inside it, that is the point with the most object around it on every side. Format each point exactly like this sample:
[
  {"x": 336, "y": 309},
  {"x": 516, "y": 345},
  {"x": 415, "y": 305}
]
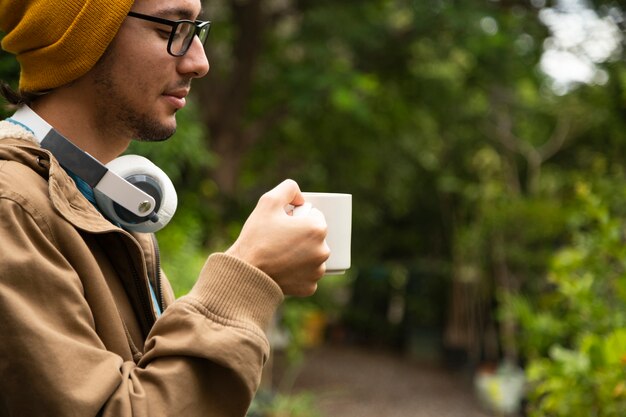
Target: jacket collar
[{"x": 18, "y": 144}]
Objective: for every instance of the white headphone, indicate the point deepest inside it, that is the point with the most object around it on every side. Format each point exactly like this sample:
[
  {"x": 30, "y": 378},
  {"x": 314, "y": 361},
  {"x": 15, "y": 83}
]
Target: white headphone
[{"x": 130, "y": 190}]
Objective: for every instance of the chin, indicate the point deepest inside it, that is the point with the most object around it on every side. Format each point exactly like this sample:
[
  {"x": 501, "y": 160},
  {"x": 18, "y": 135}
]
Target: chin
[{"x": 156, "y": 130}]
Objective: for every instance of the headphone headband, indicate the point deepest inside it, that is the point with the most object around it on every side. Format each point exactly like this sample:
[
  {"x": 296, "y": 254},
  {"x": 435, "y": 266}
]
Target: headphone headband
[{"x": 87, "y": 167}]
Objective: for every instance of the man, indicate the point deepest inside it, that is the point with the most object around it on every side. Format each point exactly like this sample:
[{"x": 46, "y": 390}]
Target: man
[{"x": 88, "y": 325}]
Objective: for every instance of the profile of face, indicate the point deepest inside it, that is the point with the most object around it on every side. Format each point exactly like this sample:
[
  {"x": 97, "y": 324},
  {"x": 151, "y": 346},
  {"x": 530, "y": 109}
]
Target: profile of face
[{"x": 138, "y": 86}]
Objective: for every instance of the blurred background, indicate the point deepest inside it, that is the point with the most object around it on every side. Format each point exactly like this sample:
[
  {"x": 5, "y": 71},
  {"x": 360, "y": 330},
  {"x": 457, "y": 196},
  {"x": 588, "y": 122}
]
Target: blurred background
[{"x": 484, "y": 144}]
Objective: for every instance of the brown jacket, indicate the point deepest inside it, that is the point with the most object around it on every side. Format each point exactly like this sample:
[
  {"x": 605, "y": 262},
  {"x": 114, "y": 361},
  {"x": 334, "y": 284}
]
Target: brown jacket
[{"x": 78, "y": 335}]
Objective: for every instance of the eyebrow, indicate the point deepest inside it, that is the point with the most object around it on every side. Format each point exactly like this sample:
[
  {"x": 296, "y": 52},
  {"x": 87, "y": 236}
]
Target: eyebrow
[{"x": 178, "y": 12}]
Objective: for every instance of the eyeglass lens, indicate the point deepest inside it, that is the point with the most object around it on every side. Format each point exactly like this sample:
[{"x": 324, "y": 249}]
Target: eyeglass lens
[{"x": 183, "y": 35}]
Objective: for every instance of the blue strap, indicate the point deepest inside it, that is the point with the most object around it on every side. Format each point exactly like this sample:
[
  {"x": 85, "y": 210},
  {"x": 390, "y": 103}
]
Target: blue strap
[
  {"x": 155, "y": 303},
  {"x": 20, "y": 124}
]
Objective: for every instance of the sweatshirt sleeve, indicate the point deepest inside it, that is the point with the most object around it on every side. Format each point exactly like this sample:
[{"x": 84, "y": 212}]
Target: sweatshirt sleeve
[
  {"x": 203, "y": 356},
  {"x": 220, "y": 325}
]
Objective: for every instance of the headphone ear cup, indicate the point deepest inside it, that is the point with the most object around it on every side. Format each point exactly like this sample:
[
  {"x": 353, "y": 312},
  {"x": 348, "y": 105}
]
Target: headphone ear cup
[{"x": 131, "y": 167}]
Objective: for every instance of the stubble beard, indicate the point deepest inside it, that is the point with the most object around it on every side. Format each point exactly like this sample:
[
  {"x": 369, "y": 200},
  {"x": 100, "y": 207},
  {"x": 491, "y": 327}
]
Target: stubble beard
[{"x": 118, "y": 115}]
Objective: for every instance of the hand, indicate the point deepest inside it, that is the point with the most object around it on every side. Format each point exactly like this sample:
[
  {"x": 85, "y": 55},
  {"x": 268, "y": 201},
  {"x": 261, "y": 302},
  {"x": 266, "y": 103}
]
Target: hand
[{"x": 290, "y": 249}]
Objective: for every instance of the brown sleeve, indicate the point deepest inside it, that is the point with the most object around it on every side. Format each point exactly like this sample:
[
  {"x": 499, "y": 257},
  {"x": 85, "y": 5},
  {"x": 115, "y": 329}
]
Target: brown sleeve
[{"x": 203, "y": 357}]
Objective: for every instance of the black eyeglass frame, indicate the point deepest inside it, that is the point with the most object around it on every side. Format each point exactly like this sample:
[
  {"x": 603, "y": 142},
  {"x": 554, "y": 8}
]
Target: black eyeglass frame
[{"x": 202, "y": 28}]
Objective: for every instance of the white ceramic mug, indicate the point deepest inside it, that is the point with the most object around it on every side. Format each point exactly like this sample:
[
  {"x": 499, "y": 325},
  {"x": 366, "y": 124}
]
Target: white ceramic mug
[{"x": 337, "y": 210}]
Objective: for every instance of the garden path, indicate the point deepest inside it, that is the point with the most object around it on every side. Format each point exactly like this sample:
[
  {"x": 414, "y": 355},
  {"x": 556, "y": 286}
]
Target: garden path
[{"x": 358, "y": 382}]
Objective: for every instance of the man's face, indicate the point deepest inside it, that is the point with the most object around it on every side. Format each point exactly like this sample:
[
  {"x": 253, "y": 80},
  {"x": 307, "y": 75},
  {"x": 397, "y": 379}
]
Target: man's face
[{"x": 139, "y": 87}]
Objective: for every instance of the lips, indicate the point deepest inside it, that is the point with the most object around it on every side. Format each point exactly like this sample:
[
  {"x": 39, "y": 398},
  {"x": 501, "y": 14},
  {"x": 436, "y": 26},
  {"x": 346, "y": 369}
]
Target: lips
[{"x": 177, "y": 98}]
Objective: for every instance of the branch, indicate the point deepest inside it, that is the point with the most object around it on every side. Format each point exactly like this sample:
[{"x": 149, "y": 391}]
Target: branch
[{"x": 557, "y": 140}]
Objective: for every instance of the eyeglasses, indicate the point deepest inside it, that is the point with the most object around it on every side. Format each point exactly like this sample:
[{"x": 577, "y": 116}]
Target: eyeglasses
[{"x": 182, "y": 33}]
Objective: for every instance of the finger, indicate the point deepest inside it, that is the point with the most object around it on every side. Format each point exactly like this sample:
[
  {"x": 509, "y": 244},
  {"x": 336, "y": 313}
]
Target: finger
[
  {"x": 327, "y": 253},
  {"x": 302, "y": 211},
  {"x": 287, "y": 192},
  {"x": 317, "y": 215}
]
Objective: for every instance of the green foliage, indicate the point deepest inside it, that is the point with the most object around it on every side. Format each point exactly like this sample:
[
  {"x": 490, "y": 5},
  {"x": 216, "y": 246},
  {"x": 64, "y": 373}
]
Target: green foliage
[
  {"x": 266, "y": 404},
  {"x": 9, "y": 67},
  {"x": 574, "y": 332},
  {"x": 9, "y": 73}
]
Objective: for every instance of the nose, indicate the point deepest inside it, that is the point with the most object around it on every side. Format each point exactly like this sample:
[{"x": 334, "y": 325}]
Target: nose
[{"x": 195, "y": 62}]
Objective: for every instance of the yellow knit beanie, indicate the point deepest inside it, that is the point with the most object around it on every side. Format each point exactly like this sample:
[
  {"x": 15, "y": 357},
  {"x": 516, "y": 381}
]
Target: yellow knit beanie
[{"x": 58, "y": 41}]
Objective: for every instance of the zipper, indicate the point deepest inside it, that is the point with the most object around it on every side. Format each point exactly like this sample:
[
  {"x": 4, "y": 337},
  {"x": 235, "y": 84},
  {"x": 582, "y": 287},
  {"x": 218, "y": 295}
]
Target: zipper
[
  {"x": 141, "y": 304},
  {"x": 143, "y": 293}
]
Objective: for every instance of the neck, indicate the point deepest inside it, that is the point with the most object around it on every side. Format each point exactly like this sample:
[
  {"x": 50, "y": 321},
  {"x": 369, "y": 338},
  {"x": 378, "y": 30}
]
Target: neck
[{"x": 76, "y": 119}]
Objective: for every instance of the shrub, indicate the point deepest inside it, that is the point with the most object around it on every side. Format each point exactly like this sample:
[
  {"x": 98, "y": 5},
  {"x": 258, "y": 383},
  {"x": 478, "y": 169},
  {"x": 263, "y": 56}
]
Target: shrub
[{"x": 574, "y": 333}]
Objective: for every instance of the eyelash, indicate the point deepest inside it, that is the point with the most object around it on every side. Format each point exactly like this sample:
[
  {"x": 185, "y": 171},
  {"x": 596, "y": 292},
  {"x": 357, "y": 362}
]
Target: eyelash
[{"x": 165, "y": 34}]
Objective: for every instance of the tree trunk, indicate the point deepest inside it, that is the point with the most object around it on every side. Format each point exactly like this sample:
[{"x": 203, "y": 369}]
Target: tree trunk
[{"x": 225, "y": 95}]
